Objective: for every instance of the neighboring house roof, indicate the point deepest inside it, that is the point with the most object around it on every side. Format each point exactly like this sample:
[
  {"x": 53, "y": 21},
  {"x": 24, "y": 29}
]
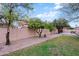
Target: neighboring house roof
[{"x": 23, "y": 23}]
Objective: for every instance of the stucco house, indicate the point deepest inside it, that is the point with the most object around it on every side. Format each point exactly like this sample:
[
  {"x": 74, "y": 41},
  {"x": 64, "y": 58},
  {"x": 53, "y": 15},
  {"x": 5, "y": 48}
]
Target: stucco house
[{"x": 23, "y": 23}]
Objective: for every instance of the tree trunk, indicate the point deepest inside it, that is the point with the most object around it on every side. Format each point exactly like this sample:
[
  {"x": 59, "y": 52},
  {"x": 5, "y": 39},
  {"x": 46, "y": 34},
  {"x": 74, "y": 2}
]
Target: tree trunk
[
  {"x": 60, "y": 30},
  {"x": 40, "y": 35},
  {"x": 39, "y": 32},
  {"x": 8, "y": 28},
  {"x": 8, "y": 34},
  {"x": 7, "y": 38}
]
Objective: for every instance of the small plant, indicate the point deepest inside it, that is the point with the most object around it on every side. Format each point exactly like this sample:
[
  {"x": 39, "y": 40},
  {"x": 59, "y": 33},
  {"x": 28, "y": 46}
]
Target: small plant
[{"x": 72, "y": 31}]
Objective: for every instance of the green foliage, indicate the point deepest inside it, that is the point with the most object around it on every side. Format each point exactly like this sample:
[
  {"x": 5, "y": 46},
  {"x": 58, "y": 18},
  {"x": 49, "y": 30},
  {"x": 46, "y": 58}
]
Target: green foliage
[
  {"x": 37, "y": 25},
  {"x": 9, "y": 11},
  {"x": 61, "y": 23},
  {"x": 49, "y": 26},
  {"x": 9, "y": 14},
  {"x": 12, "y": 17}
]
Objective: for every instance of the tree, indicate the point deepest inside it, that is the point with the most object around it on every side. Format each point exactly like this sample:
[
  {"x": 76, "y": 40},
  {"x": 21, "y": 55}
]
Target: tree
[
  {"x": 49, "y": 26},
  {"x": 60, "y": 24},
  {"x": 72, "y": 10},
  {"x": 10, "y": 15},
  {"x": 37, "y": 25}
]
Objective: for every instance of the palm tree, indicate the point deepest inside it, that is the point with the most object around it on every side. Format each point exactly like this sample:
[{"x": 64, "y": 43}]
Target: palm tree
[{"x": 10, "y": 15}]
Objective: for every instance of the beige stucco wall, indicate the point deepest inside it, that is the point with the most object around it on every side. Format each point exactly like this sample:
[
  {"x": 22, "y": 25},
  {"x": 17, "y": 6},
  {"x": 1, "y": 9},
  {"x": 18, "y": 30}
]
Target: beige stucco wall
[
  {"x": 2, "y": 34},
  {"x": 77, "y": 30},
  {"x": 17, "y": 34},
  {"x": 22, "y": 33}
]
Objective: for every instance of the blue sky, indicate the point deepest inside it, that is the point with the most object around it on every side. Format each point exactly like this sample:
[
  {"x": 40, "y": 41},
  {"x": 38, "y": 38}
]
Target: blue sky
[{"x": 46, "y": 11}]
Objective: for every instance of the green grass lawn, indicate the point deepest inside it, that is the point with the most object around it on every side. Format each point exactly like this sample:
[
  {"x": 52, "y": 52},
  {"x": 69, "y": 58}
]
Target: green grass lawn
[{"x": 63, "y": 45}]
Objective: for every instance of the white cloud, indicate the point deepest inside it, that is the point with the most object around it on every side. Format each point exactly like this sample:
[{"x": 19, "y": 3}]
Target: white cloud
[
  {"x": 58, "y": 6},
  {"x": 49, "y": 15},
  {"x": 53, "y": 14}
]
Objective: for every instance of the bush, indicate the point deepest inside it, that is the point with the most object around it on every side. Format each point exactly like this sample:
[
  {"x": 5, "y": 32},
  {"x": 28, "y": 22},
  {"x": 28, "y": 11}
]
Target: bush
[{"x": 72, "y": 31}]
